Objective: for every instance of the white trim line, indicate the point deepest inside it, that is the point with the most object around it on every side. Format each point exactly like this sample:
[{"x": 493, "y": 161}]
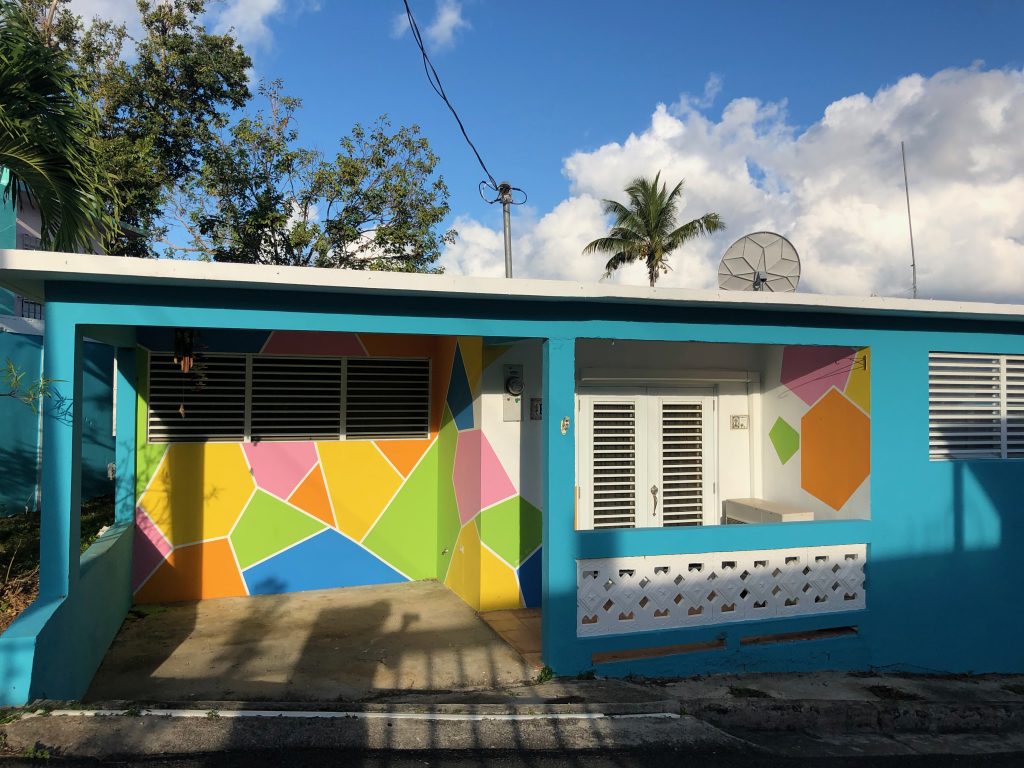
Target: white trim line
[{"x": 306, "y": 714}]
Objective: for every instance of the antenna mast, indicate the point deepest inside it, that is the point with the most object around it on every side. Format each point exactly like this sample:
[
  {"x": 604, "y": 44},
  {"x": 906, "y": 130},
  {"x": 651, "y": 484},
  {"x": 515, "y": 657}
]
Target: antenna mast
[{"x": 910, "y": 225}]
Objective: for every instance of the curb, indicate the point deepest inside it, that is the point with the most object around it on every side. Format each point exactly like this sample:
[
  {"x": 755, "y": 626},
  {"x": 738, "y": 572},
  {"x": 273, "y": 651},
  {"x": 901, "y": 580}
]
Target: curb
[
  {"x": 531, "y": 709},
  {"x": 83, "y": 733},
  {"x": 850, "y": 716}
]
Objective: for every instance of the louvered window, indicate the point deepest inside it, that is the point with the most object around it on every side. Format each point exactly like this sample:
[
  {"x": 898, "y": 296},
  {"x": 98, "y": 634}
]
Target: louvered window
[
  {"x": 205, "y": 404},
  {"x": 238, "y": 397},
  {"x": 614, "y": 464},
  {"x": 295, "y": 398},
  {"x": 387, "y": 398},
  {"x": 975, "y": 406},
  {"x": 646, "y": 460},
  {"x": 682, "y": 463}
]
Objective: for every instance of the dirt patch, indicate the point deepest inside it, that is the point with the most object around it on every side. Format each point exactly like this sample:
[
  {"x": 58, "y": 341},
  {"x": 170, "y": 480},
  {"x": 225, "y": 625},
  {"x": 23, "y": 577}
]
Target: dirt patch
[{"x": 19, "y": 554}]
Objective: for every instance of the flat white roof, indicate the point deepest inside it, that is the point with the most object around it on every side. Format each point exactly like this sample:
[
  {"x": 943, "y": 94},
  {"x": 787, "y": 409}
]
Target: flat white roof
[{"x": 26, "y": 272}]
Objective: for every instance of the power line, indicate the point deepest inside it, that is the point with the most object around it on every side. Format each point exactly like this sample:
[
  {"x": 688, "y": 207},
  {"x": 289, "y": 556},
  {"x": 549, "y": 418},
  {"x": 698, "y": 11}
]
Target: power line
[
  {"x": 503, "y": 191},
  {"x": 435, "y": 82}
]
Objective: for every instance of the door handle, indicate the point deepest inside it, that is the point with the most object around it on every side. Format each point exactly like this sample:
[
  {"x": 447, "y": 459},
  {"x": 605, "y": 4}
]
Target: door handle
[{"x": 654, "y": 493}]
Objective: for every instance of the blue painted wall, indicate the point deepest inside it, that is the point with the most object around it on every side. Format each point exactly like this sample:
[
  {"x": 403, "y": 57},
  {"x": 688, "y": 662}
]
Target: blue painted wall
[
  {"x": 19, "y": 442},
  {"x": 943, "y": 537}
]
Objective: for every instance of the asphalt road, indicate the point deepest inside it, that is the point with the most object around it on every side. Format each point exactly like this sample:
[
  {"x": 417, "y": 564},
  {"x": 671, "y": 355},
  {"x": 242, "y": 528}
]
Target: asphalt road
[{"x": 634, "y": 759}]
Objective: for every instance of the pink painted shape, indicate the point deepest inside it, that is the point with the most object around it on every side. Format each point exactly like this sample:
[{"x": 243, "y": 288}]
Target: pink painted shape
[
  {"x": 479, "y": 478},
  {"x": 809, "y": 372},
  {"x": 314, "y": 343},
  {"x": 279, "y": 467},
  {"x": 149, "y": 548}
]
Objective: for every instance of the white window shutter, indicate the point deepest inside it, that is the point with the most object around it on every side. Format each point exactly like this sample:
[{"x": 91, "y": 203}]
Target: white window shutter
[
  {"x": 966, "y": 406},
  {"x": 614, "y": 448},
  {"x": 683, "y": 466}
]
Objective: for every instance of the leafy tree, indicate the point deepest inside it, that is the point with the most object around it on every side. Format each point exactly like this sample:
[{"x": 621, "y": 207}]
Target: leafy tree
[
  {"x": 48, "y": 139},
  {"x": 645, "y": 228},
  {"x": 262, "y": 198},
  {"x": 160, "y": 108}
]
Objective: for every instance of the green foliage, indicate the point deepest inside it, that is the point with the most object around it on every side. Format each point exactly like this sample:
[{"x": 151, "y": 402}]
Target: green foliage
[
  {"x": 588, "y": 674},
  {"x": 645, "y": 228},
  {"x": 545, "y": 675},
  {"x": 31, "y": 393},
  {"x": 160, "y": 113},
  {"x": 48, "y": 139},
  {"x": 36, "y": 752},
  {"x": 173, "y": 136},
  {"x": 263, "y": 198}
]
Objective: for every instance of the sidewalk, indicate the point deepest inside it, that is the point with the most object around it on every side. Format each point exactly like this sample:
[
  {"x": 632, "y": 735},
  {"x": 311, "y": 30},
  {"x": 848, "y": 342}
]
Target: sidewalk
[{"x": 799, "y": 715}]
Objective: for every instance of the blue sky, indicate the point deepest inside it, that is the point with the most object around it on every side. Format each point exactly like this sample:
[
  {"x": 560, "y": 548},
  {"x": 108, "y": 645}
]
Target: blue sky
[
  {"x": 780, "y": 115},
  {"x": 536, "y": 81}
]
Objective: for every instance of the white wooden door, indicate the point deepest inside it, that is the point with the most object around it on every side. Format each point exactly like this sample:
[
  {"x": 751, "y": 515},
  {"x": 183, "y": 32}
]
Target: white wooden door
[{"x": 646, "y": 458}]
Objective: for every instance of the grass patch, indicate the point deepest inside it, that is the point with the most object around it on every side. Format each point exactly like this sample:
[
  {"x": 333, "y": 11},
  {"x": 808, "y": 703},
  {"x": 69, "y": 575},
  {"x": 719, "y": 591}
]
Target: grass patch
[
  {"x": 739, "y": 692},
  {"x": 1017, "y": 688},
  {"x": 545, "y": 674},
  {"x": 888, "y": 693},
  {"x": 19, "y": 554}
]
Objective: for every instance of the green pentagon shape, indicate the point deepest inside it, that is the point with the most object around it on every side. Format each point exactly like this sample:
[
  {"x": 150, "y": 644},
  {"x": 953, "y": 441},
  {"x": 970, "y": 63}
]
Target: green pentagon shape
[
  {"x": 268, "y": 526},
  {"x": 785, "y": 439},
  {"x": 512, "y": 529}
]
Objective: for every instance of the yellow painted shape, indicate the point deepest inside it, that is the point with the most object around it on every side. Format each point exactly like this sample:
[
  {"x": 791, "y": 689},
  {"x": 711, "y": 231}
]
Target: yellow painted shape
[
  {"x": 472, "y": 348},
  {"x": 198, "y": 491},
  {"x": 360, "y": 481},
  {"x": 499, "y": 587},
  {"x": 858, "y": 388},
  {"x": 464, "y": 572}
]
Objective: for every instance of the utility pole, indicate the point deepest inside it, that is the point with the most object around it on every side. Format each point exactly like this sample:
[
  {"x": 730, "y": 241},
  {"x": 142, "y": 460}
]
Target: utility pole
[
  {"x": 910, "y": 225},
  {"x": 505, "y": 195}
]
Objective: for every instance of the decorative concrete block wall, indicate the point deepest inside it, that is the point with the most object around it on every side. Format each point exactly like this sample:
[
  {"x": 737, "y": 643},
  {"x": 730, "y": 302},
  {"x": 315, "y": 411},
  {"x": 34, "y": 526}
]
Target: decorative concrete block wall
[{"x": 230, "y": 519}]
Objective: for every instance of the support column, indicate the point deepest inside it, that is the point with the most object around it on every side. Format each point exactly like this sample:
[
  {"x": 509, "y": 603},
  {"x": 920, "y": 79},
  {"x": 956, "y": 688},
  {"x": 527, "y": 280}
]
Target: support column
[
  {"x": 60, "y": 524},
  {"x": 559, "y": 493},
  {"x": 125, "y": 442}
]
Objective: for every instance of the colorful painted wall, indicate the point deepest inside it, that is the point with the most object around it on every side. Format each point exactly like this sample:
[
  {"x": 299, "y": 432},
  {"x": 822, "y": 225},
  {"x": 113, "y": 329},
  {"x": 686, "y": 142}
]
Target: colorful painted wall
[
  {"x": 817, "y": 416},
  {"x": 229, "y": 519}
]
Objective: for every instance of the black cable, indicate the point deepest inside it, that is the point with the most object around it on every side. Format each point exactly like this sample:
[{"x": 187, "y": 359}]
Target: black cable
[{"x": 435, "y": 82}]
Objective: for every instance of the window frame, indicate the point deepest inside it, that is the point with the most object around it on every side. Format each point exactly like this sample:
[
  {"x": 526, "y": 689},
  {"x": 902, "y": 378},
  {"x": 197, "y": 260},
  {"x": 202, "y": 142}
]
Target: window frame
[
  {"x": 1007, "y": 443},
  {"x": 342, "y": 436}
]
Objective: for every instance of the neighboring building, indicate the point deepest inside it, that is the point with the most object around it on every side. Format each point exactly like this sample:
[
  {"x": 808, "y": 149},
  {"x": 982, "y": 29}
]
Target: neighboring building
[
  {"x": 685, "y": 481},
  {"x": 21, "y": 342}
]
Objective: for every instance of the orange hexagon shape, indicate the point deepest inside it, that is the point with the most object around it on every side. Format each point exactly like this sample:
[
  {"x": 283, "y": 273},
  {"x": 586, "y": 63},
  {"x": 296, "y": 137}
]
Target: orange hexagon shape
[{"x": 835, "y": 449}]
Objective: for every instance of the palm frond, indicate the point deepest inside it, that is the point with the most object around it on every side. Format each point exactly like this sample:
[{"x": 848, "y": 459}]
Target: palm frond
[
  {"x": 645, "y": 229},
  {"x": 48, "y": 139}
]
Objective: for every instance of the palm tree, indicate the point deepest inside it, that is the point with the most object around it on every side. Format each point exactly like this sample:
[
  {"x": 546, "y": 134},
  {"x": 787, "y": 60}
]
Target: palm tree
[
  {"x": 47, "y": 139},
  {"x": 645, "y": 229}
]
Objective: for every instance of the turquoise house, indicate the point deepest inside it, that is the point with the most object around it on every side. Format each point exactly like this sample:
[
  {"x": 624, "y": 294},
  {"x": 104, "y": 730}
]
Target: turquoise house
[{"x": 684, "y": 482}]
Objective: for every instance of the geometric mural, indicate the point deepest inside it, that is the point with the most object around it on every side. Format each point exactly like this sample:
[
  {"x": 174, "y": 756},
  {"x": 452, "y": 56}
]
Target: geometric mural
[
  {"x": 226, "y": 519},
  {"x": 828, "y": 421},
  {"x": 809, "y": 372}
]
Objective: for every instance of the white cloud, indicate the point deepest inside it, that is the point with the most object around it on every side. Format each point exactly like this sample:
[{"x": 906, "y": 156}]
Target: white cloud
[
  {"x": 119, "y": 11},
  {"x": 441, "y": 32},
  {"x": 835, "y": 189},
  {"x": 247, "y": 20}
]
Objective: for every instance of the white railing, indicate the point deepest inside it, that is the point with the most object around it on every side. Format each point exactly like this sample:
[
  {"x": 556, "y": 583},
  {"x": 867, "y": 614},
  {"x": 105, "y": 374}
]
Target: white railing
[{"x": 638, "y": 594}]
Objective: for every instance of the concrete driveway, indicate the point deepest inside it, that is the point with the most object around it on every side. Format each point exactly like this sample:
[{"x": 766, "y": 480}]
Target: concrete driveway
[{"x": 350, "y": 644}]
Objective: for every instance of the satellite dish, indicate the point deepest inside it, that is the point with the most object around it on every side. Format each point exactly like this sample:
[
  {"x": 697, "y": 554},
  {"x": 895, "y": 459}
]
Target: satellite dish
[{"x": 760, "y": 261}]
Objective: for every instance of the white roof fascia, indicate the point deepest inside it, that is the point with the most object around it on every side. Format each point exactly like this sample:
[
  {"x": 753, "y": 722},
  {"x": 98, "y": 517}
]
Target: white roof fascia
[{"x": 27, "y": 271}]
